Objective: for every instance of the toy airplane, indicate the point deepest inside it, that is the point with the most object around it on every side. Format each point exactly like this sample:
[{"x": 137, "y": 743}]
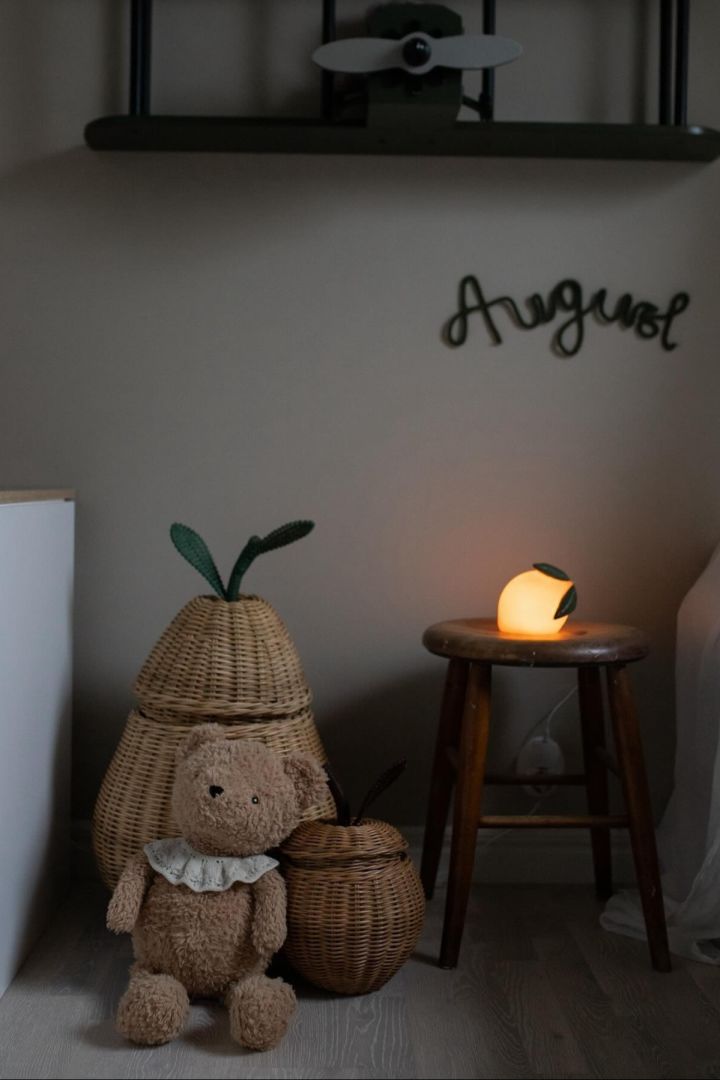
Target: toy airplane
[{"x": 413, "y": 59}]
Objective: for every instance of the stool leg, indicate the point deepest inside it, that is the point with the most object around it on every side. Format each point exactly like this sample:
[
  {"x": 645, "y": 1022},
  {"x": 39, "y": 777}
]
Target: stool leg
[
  {"x": 593, "y": 735},
  {"x": 628, "y": 745},
  {"x": 468, "y": 799},
  {"x": 443, "y": 775}
]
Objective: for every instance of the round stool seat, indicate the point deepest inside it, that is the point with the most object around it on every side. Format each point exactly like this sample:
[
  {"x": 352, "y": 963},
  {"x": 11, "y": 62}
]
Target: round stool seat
[{"x": 576, "y": 644}]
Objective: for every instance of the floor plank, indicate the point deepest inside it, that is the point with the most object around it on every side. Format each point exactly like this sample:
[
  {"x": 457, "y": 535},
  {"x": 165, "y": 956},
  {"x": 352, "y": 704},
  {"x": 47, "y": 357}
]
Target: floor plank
[
  {"x": 680, "y": 1024},
  {"x": 540, "y": 991}
]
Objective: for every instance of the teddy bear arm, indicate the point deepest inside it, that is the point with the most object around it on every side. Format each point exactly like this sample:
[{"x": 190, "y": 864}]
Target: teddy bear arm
[
  {"x": 126, "y": 900},
  {"x": 269, "y": 926}
]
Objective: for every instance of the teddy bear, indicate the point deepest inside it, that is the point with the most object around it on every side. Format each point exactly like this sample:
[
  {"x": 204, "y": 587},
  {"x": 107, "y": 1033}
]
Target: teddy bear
[{"x": 207, "y": 910}]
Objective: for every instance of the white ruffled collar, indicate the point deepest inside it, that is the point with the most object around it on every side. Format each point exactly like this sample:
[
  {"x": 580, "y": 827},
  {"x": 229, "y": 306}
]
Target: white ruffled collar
[{"x": 182, "y": 865}]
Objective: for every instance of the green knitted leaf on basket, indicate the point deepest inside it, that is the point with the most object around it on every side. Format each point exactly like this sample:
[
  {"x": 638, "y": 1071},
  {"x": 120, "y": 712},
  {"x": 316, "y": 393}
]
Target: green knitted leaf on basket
[
  {"x": 342, "y": 806},
  {"x": 388, "y": 777},
  {"x": 256, "y": 545},
  {"x": 244, "y": 559},
  {"x": 286, "y": 534},
  {"x": 193, "y": 548}
]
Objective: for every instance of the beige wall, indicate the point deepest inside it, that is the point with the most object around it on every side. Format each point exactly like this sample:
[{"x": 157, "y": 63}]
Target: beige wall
[{"x": 235, "y": 341}]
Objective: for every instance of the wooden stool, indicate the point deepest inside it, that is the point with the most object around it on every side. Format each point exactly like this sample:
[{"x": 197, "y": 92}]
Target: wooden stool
[{"x": 472, "y": 646}]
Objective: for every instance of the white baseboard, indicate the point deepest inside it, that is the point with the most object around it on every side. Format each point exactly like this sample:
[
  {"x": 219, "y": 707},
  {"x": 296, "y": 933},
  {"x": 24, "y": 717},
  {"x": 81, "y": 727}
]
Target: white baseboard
[
  {"x": 512, "y": 856},
  {"x": 531, "y": 856}
]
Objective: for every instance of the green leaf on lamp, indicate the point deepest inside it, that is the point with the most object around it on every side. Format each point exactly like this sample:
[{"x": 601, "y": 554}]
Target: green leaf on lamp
[
  {"x": 567, "y": 604},
  {"x": 551, "y": 571}
]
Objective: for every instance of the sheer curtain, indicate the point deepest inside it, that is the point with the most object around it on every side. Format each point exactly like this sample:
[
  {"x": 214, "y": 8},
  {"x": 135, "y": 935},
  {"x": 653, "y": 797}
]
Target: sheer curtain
[{"x": 689, "y": 834}]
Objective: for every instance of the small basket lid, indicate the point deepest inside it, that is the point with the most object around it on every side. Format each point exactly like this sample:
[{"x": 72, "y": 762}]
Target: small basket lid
[
  {"x": 317, "y": 843},
  {"x": 226, "y": 659}
]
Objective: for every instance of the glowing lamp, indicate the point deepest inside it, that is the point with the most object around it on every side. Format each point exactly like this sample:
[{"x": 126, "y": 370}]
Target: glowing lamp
[{"x": 537, "y": 602}]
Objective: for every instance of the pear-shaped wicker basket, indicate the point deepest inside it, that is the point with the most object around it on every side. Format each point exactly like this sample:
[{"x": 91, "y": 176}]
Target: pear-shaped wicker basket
[
  {"x": 225, "y": 659},
  {"x": 218, "y": 658},
  {"x": 355, "y": 904},
  {"x": 134, "y": 803}
]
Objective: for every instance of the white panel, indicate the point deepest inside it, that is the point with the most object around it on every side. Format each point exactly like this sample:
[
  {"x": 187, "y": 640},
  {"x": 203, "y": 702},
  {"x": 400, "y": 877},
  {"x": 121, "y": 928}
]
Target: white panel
[{"x": 36, "y": 584}]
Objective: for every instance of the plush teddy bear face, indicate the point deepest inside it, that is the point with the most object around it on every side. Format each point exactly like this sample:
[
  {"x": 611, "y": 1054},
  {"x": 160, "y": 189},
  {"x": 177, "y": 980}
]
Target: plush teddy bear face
[{"x": 237, "y": 797}]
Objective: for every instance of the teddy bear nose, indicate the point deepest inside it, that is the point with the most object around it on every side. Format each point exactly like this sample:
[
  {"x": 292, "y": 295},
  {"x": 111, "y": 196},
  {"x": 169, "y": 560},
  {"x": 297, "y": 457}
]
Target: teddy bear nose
[{"x": 215, "y": 791}]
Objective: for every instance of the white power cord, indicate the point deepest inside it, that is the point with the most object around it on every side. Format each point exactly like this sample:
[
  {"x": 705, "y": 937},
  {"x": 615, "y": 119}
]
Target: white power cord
[
  {"x": 546, "y": 722},
  {"x": 556, "y": 708}
]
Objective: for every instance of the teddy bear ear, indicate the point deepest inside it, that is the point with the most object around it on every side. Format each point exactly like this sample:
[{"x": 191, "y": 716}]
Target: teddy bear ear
[
  {"x": 203, "y": 733},
  {"x": 308, "y": 777}
]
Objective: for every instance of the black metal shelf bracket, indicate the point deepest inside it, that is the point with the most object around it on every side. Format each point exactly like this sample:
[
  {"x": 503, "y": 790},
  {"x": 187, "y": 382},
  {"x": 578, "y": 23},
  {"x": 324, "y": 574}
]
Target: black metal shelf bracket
[
  {"x": 487, "y": 98},
  {"x": 329, "y": 31},
  {"x": 141, "y": 12},
  {"x": 671, "y": 139},
  {"x": 682, "y": 65},
  {"x": 674, "y": 36},
  {"x": 666, "y": 45}
]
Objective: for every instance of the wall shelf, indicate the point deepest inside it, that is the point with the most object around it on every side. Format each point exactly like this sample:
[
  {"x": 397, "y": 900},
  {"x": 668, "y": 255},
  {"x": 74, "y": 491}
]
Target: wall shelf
[
  {"x": 215, "y": 134},
  {"x": 671, "y": 139}
]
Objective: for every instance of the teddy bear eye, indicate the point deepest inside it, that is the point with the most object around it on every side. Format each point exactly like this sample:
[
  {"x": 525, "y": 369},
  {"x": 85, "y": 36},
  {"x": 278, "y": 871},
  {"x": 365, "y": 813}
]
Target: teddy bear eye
[{"x": 255, "y": 799}]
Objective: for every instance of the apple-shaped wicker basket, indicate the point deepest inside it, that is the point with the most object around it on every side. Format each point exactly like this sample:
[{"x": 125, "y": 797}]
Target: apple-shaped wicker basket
[{"x": 355, "y": 904}]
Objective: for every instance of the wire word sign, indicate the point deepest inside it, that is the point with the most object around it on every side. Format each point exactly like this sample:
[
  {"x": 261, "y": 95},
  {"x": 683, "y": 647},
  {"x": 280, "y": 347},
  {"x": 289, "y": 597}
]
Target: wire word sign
[{"x": 567, "y": 297}]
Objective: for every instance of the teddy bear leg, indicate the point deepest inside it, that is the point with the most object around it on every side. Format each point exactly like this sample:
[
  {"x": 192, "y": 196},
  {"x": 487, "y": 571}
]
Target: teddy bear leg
[
  {"x": 153, "y": 1009},
  {"x": 260, "y": 1011}
]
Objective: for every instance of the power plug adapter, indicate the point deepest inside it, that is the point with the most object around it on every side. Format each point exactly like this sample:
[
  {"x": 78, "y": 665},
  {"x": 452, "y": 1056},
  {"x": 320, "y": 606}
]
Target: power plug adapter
[{"x": 539, "y": 757}]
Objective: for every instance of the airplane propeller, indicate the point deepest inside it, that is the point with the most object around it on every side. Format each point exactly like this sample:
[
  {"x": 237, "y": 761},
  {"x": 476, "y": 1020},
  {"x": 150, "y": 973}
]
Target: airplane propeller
[{"x": 416, "y": 53}]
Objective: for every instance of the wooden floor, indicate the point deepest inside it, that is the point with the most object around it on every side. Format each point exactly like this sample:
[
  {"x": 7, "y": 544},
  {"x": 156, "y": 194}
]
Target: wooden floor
[{"x": 541, "y": 991}]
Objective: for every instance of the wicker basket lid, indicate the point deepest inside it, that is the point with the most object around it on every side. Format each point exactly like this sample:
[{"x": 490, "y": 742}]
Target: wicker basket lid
[
  {"x": 226, "y": 659},
  {"x": 317, "y": 843}
]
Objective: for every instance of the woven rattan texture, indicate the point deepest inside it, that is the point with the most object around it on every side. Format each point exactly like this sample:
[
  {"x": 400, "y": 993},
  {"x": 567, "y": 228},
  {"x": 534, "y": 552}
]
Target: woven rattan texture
[
  {"x": 133, "y": 806},
  {"x": 224, "y": 659},
  {"x": 355, "y": 904},
  {"x": 323, "y": 842}
]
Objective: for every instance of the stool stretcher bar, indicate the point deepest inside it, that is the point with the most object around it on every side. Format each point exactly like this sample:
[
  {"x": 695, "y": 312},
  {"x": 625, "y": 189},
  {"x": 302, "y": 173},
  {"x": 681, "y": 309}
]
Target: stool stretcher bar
[{"x": 553, "y": 821}]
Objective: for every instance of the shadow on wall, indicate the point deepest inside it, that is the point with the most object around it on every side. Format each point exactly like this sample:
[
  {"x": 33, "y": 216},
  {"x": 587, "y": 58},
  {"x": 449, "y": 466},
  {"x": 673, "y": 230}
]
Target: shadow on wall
[
  {"x": 398, "y": 719},
  {"x": 58, "y": 59},
  {"x": 604, "y": 43},
  {"x": 100, "y": 713},
  {"x": 644, "y": 28},
  {"x": 259, "y": 191},
  {"x": 394, "y": 720}
]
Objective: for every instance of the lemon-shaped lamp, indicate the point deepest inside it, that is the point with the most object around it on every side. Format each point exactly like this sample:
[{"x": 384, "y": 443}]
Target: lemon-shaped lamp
[{"x": 537, "y": 602}]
